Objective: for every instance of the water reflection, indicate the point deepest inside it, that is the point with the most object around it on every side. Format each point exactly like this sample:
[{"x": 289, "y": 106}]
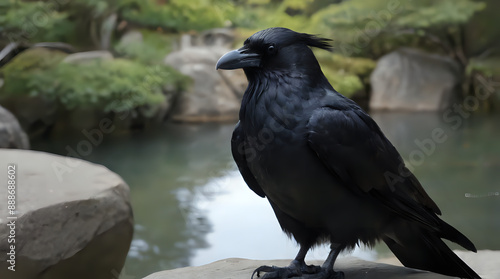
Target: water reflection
[
  {"x": 459, "y": 172},
  {"x": 244, "y": 226},
  {"x": 166, "y": 169},
  {"x": 192, "y": 207},
  {"x": 466, "y": 162}
]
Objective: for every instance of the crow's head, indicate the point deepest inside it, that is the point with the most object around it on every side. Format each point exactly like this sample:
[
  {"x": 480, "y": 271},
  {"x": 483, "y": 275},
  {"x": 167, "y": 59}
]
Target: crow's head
[{"x": 275, "y": 49}]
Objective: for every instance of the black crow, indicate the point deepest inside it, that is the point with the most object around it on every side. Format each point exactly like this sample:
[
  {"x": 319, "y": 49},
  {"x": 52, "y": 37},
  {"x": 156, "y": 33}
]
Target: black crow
[{"x": 325, "y": 166}]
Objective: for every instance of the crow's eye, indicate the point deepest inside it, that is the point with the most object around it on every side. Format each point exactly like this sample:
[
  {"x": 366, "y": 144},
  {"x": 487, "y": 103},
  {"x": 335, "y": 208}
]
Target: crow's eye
[{"x": 271, "y": 49}]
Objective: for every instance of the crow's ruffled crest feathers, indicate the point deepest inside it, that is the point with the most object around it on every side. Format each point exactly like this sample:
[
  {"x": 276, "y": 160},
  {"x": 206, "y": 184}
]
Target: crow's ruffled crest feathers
[
  {"x": 315, "y": 41},
  {"x": 287, "y": 37}
]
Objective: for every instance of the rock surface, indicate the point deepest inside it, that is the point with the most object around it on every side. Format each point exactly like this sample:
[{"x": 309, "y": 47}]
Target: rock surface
[
  {"x": 86, "y": 56},
  {"x": 131, "y": 37},
  {"x": 11, "y": 133},
  {"x": 214, "y": 95},
  {"x": 218, "y": 37},
  {"x": 412, "y": 80},
  {"x": 74, "y": 219},
  {"x": 484, "y": 262}
]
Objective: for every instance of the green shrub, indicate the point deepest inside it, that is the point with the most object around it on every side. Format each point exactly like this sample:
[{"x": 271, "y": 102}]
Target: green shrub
[
  {"x": 345, "y": 83},
  {"x": 489, "y": 66},
  {"x": 151, "y": 50},
  {"x": 353, "y": 65},
  {"x": 25, "y": 65},
  {"x": 31, "y": 21},
  {"x": 345, "y": 73},
  {"x": 177, "y": 15},
  {"x": 110, "y": 85}
]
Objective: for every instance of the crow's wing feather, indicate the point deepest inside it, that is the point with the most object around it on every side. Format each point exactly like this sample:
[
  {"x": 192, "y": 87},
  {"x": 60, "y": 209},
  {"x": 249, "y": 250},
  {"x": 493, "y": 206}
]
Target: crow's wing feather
[
  {"x": 240, "y": 151},
  {"x": 354, "y": 148}
]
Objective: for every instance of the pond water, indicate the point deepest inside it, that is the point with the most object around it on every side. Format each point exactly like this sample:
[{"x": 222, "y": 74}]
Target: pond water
[{"x": 191, "y": 206}]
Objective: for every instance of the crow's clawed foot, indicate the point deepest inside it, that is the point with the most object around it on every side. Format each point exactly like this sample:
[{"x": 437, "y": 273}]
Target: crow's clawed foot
[
  {"x": 326, "y": 274},
  {"x": 298, "y": 270},
  {"x": 295, "y": 269}
]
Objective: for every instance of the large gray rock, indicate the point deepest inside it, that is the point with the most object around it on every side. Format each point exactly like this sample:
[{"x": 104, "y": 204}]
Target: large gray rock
[
  {"x": 86, "y": 56},
  {"x": 11, "y": 133},
  {"x": 217, "y": 37},
  {"x": 412, "y": 80},
  {"x": 72, "y": 218},
  {"x": 131, "y": 37},
  {"x": 485, "y": 263},
  {"x": 214, "y": 95}
]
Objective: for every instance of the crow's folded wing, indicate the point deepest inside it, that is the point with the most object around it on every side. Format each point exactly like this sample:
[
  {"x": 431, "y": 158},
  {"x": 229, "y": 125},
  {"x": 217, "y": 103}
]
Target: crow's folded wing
[
  {"x": 240, "y": 151},
  {"x": 355, "y": 150}
]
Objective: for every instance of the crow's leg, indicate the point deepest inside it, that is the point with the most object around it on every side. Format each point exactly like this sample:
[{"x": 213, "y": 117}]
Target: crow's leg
[
  {"x": 296, "y": 268},
  {"x": 299, "y": 270},
  {"x": 327, "y": 267}
]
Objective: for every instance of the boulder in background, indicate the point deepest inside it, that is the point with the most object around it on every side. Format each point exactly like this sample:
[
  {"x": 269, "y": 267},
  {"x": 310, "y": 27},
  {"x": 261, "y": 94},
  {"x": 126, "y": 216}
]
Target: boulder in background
[
  {"x": 82, "y": 57},
  {"x": 214, "y": 95},
  {"x": 412, "y": 80}
]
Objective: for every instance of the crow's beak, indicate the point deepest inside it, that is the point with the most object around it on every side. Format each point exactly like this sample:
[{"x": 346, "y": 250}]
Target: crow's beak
[{"x": 238, "y": 59}]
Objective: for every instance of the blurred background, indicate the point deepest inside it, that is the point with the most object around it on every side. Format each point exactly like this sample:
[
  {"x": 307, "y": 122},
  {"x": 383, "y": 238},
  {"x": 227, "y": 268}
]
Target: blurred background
[{"x": 136, "y": 80}]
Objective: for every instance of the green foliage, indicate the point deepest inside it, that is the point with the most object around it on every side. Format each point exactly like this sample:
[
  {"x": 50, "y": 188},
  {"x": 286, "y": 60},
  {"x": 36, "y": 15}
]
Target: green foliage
[
  {"x": 343, "y": 82},
  {"x": 435, "y": 14},
  {"x": 111, "y": 85},
  {"x": 31, "y": 62},
  {"x": 373, "y": 17},
  {"x": 361, "y": 30},
  {"x": 354, "y": 65},
  {"x": 357, "y": 25},
  {"x": 67, "y": 21},
  {"x": 367, "y": 28},
  {"x": 32, "y": 21},
  {"x": 151, "y": 50},
  {"x": 489, "y": 67},
  {"x": 346, "y": 74},
  {"x": 261, "y": 14},
  {"x": 177, "y": 15}
]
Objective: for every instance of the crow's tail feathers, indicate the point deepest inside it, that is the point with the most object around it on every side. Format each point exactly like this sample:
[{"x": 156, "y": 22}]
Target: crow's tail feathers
[
  {"x": 450, "y": 233},
  {"x": 418, "y": 248}
]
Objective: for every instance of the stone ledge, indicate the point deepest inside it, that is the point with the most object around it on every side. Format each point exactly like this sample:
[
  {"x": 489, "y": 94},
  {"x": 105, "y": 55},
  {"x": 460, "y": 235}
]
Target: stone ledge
[
  {"x": 485, "y": 263},
  {"x": 74, "y": 218}
]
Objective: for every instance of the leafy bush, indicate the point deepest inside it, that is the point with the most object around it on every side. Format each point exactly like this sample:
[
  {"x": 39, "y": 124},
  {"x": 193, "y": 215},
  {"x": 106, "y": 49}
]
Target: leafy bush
[
  {"x": 25, "y": 65},
  {"x": 345, "y": 83},
  {"x": 353, "y": 65},
  {"x": 33, "y": 21},
  {"x": 177, "y": 15},
  {"x": 345, "y": 73},
  {"x": 151, "y": 50},
  {"x": 373, "y": 28},
  {"x": 489, "y": 67},
  {"x": 110, "y": 85}
]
